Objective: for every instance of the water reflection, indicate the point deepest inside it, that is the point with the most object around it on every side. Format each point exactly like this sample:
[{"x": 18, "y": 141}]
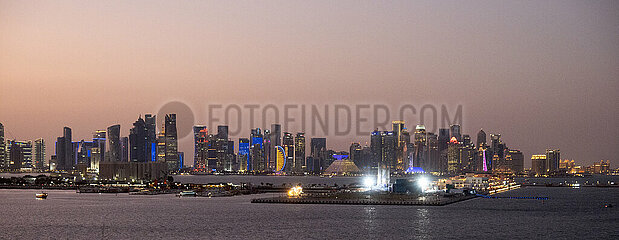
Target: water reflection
[{"x": 370, "y": 217}]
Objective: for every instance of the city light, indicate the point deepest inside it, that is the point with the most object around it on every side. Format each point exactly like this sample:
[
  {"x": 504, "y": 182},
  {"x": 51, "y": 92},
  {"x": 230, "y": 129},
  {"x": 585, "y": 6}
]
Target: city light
[
  {"x": 424, "y": 183},
  {"x": 369, "y": 182},
  {"x": 295, "y": 191}
]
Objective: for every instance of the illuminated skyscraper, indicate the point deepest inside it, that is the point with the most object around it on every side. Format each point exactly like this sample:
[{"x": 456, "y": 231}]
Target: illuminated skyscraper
[
  {"x": 538, "y": 164},
  {"x": 171, "y": 143},
  {"x": 420, "y": 157},
  {"x": 19, "y": 155},
  {"x": 200, "y": 139},
  {"x": 288, "y": 145},
  {"x": 243, "y": 155},
  {"x": 453, "y": 156},
  {"x": 433, "y": 156},
  {"x": 2, "y": 148},
  {"x": 399, "y": 131},
  {"x": 274, "y": 137},
  {"x": 552, "y": 160},
  {"x": 38, "y": 154},
  {"x": 454, "y": 130},
  {"x": 114, "y": 145},
  {"x": 151, "y": 137},
  {"x": 515, "y": 160},
  {"x": 299, "y": 152},
  {"x": 257, "y": 148}
]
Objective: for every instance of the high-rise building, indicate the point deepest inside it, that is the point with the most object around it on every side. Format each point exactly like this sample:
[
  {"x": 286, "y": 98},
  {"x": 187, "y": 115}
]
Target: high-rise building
[
  {"x": 171, "y": 143},
  {"x": 376, "y": 147},
  {"x": 399, "y": 131},
  {"x": 552, "y": 160},
  {"x": 258, "y": 145},
  {"x": 275, "y": 136},
  {"x": 124, "y": 149},
  {"x": 138, "y": 141},
  {"x": 151, "y": 137},
  {"x": 299, "y": 152},
  {"x": 99, "y": 138},
  {"x": 318, "y": 148},
  {"x": 538, "y": 164},
  {"x": 243, "y": 155},
  {"x": 481, "y": 138},
  {"x": 200, "y": 139},
  {"x": 288, "y": 145},
  {"x": 453, "y": 155},
  {"x": 15, "y": 155},
  {"x": 38, "y": 154},
  {"x": 114, "y": 153},
  {"x": 515, "y": 160},
  {"x": 65, "y": 155},
  {"x": 355, "y": 151},
  {"x": 389, "y": 149},
  {"x": 454, "y": 130},
  {"x": 420, "y": 158},
  {"x": 2, "y": 148},
  {"x": 433, "y": 154},
  {"x": 443, "y": 140},
  {"x": 19, "y": 155},
  {"x": 221, "y": 144}
]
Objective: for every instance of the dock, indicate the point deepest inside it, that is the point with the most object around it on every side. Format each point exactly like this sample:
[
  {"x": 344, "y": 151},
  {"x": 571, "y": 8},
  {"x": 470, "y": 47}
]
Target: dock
[{"x": 442, "y": 201}]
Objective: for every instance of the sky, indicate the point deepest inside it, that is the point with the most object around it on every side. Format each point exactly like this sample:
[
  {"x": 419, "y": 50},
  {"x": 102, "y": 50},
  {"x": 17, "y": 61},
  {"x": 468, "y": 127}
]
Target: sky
[{"x": 543, "y": 74}]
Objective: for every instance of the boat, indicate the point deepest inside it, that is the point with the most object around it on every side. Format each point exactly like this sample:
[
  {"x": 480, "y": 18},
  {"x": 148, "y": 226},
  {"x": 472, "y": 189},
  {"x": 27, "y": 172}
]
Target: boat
[
  {"x": 186, "y": 194},
  {"x": 42, "y": 195}
]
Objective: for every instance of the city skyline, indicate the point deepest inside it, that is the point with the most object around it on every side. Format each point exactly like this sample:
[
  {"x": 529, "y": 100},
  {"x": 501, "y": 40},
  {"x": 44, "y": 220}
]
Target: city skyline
[{"x": 543, "y": 76}]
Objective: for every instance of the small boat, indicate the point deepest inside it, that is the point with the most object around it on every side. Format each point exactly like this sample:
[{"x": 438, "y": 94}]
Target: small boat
[
  {"x": 186, "y": 194},
  {"x": 42, "y": 195}
]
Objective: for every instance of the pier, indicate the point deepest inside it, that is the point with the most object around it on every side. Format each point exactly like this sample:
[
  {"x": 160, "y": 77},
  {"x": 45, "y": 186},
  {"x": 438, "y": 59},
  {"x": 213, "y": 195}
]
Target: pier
[{"x": 440, "y": 201}]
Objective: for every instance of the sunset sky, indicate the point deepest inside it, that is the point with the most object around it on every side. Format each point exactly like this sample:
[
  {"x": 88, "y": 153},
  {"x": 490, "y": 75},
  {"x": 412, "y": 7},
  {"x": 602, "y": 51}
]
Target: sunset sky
[{"x": 544, "y": 74}]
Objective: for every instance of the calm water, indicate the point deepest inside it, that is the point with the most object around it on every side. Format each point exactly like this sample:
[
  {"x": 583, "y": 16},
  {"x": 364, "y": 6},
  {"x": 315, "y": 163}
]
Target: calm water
[{"x": 569, "y": 214}]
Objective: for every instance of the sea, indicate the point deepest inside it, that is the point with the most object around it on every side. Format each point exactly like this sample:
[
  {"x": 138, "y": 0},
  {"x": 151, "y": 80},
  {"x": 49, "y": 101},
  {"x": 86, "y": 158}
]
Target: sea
[{"x": 569, "y": 213}]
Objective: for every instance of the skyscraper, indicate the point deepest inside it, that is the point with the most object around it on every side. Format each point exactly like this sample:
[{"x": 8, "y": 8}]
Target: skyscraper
[
  {"x": 65, "y": 155},
  {"x": 454, "y": 130},
  {"x": 138, "y": 141},
  {"x": 274, "y": 137},
  {"x": 318, "y": 147},
  {"x": 257, "y": 147},
  {"x": 221, "y": 144},
  {"x": 453, "y": 156},
  {"x": 200, "y": 140},
  {"x": 243, "y": 155},
  {"x": 481, "y": 138},
  {"x": 399, "y": 131},
  {"x": 420, "y": 157},
  {"x": 552, "y": 160},
  {"x": 443, "y": 140},
  {"x": 538, "y": 164},
  {"x": 299, "y": 152},
  {"x": 114, "y": 153},
  {"x": 38, "y": 154},
  {"x": 2, "y": 148},
  {"x": 515, "y": 160},
  {"x": 124, "y": 149},
  {"x": 288, "y": 145},
  {"x": 171, "y": 143},
  {"x": 15, "y": 154},
  {"x": 151, "y": 137}
]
